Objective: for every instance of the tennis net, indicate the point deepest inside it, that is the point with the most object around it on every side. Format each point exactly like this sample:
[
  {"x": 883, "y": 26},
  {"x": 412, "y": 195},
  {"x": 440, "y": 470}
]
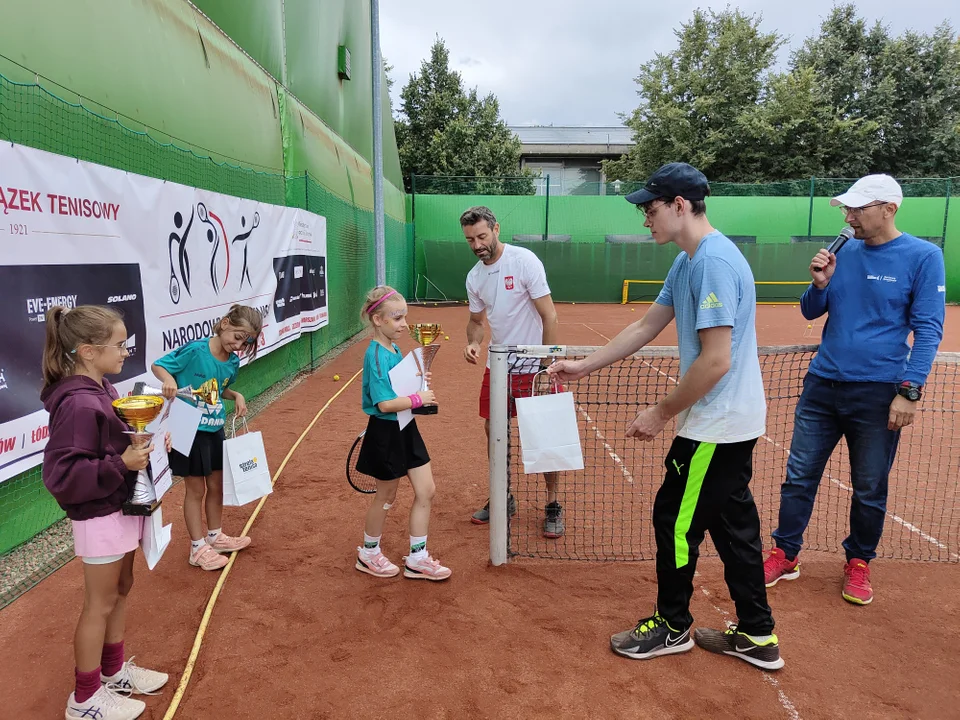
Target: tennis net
[{"x": 608, "y": 506}]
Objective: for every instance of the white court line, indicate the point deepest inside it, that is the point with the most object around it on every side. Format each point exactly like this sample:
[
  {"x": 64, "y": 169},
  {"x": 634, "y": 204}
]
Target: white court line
[
  {"x": 610, "y": 451},
  {"x": 785, "y": 702},
  {"x": 893, "y": 516}
]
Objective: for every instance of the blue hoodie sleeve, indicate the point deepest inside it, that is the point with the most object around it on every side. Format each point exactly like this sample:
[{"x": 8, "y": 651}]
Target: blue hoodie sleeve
[
  {"x": 926, "y": 316},
  {"x": 813, "y": 302},
  {"x": 76, "y": 468}
]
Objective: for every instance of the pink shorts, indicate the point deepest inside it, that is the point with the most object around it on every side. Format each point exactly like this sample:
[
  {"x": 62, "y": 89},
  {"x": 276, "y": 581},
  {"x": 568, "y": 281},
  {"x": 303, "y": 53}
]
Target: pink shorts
[{"x": 106, "y": 539}]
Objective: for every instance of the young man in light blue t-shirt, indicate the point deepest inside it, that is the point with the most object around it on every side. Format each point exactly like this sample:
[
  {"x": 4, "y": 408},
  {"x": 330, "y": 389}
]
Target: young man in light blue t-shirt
[{"x": 720, "y": 408}]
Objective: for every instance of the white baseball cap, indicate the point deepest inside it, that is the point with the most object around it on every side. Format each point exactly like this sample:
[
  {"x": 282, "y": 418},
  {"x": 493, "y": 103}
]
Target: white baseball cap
[{"x": 872, "y": 188}]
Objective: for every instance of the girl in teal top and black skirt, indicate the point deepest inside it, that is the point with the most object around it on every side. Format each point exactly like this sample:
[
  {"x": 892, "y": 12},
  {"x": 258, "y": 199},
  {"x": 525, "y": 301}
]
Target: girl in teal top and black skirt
[{"x": 388, "y": 453}]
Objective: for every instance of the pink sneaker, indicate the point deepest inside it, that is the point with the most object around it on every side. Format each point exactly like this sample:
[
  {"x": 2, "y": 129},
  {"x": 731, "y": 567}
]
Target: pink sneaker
[
  {"x": 425, "y": 568},
  {"x": 226, "y": 544},
  {"x": 207, "y": 558},
  {"x": 376, "y": 565}
]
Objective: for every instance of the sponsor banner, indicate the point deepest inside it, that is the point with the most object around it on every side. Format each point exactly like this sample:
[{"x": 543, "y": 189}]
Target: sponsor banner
[{"x": 171, "y": 259}]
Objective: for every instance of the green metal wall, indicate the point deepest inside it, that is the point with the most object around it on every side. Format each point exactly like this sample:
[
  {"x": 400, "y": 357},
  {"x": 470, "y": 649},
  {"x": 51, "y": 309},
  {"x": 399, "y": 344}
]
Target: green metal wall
[
  {"x": 296, "y": 41},
  {"x": 162, "y": 64},
  {"x": 154, "y": 87}
]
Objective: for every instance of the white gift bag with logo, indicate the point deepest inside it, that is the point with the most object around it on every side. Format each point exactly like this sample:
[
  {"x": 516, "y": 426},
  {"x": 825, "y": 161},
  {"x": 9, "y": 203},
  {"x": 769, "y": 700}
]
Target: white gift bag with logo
[
  {"x": 154, "y": 537},
  {"x": 246, "y": 476},
  {"x": 549, "y": 434}
]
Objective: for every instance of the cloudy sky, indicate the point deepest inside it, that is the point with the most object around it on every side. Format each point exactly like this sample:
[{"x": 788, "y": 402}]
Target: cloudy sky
[{"x": 572, "y": 62}]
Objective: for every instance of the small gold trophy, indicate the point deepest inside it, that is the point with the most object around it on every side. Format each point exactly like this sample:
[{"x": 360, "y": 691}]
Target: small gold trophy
[
  {"x": 425, "y": 334},
  {"x": 208, "y": 393},
  {"x": 138, "y": 411}
]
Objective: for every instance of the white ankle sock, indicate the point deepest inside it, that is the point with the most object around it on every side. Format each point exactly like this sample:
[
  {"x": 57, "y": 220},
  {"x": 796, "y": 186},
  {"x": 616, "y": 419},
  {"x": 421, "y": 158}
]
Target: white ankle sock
[
  {"x": 196, "y": 545},
  {"x": 212, "y": 535},
  {"x": 418, "y": 547},
  {"x": 371, "y": 545}
]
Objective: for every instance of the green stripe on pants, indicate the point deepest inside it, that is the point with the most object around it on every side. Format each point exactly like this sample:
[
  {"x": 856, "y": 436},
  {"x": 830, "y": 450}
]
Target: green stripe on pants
[{"x": 691, "y": 494}]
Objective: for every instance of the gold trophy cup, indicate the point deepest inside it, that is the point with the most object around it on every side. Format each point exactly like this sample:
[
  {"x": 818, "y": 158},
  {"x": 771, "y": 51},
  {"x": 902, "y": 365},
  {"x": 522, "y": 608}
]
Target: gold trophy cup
[
  {"x": 425, "y": 334},
  {"x": 138, "y": 411},
  {"x": 208, "y": 393}
]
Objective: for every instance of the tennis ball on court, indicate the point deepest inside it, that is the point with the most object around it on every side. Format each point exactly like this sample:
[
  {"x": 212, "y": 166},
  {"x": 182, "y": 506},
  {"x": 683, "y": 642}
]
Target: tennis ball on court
[
  {"x": 446, "y": 337},
  {"x": 633, "y": 309},
  {"x": 809, "y": 326},
  {"x": 336, "y": 377}
]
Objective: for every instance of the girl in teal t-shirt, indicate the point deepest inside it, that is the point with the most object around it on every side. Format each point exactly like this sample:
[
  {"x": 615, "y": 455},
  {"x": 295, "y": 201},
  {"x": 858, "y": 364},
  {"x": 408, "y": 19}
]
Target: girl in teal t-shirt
[
  {"x": 216, "y": 358},
  {"x": 388, "y": 453}
]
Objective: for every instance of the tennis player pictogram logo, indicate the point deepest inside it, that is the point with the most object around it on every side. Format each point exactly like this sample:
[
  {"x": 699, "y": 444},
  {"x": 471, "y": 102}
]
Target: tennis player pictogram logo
[{"x": 220, "y": 247}]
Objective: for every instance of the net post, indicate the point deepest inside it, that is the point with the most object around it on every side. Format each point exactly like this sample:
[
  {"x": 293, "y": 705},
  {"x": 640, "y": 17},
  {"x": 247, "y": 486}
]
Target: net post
[{"x": 497, "y": 452}]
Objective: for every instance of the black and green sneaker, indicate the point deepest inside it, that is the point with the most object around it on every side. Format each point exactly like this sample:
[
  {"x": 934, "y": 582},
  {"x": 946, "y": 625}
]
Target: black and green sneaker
[
  {"x": 651, "y": 637},
  {"x": 765, "y": 655}
]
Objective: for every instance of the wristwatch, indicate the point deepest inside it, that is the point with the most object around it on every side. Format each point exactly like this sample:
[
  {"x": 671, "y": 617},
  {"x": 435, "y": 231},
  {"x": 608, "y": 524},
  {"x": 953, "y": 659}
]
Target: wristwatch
[{"x": 909, "y": 390}]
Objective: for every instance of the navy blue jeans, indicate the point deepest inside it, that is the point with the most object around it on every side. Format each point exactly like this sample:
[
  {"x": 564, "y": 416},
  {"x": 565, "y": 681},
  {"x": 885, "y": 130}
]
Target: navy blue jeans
[{"x": 826, "y": 411}]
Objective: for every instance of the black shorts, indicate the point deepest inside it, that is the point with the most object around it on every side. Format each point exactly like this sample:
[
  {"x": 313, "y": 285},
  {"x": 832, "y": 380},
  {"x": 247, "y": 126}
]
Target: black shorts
[
  {"x": 206, "y": 456},
  {"x": 387, "y": 452}
]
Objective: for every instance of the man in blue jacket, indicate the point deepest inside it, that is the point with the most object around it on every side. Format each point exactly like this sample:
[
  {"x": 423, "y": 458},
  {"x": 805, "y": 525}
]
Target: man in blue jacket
[{"x": 865, "y": 382}]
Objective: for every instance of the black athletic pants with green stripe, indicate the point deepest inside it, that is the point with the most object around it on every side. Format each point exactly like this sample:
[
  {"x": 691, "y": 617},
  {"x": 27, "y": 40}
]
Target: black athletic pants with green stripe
[{"x": 706, "y": 487}]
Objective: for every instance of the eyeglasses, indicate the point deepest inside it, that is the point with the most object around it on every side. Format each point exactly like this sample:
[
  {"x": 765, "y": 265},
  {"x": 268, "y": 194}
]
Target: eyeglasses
[
  {"x": 121, "y": 346},
  {"x": 858, "y": 211},
  {"x": 652, "y": 210}
]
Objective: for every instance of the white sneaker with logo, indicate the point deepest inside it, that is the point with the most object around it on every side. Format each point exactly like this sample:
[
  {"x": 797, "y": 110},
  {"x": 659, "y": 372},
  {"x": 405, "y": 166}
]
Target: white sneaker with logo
[
  {"x": 104, "y": 704},
  {"x": 135, "y": 680}
]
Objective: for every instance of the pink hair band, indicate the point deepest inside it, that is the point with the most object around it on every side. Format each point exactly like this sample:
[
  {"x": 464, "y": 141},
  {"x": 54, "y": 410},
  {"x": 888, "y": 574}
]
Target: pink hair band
[{"x": 374, "y": 306}]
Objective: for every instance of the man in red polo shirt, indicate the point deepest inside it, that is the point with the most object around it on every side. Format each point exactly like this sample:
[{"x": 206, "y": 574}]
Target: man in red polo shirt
[{"x": 508, "y": 286}]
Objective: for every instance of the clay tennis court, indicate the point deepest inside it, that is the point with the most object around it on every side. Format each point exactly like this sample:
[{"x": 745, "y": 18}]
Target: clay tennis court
[{"x": 298, "y": 633}]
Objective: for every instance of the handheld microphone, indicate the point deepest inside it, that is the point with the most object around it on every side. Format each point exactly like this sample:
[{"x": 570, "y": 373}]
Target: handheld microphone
[{"x": 838, "y": 243}]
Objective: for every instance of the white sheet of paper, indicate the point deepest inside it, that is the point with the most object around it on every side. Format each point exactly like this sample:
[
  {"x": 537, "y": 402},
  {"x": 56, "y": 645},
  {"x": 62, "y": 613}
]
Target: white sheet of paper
[
  {"x": 159, "y": 460},
  {"x": 182, "y": 424},
  {"x": 155, "y": 538},
  {"x": 407, "y": 380}
]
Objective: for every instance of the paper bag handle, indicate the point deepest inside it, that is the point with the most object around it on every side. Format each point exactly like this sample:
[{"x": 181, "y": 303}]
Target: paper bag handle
[
  {"x": 233, "y": 431},
  {"x": 554, "y": 384}
]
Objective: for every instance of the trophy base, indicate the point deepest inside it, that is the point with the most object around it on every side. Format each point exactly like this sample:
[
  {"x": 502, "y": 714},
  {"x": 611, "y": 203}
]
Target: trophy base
[
  {"x": 132, "y": 508},
  {"x": 426, "y": 410}
]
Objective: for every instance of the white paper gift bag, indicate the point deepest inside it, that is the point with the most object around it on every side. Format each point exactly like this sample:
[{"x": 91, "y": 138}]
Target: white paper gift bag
[
  {"x": 155, "y": 537},
  {"x": 549, "y": 434},
  {"x": 246, "y": 476}
]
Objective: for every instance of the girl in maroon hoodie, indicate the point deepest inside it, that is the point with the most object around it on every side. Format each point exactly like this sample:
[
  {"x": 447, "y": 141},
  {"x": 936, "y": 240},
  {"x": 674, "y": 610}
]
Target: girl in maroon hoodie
[{"x": 90, "y": 467}]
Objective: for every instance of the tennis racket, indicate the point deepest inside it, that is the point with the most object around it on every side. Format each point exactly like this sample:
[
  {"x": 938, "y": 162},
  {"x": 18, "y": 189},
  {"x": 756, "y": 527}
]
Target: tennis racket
[{"x": 360, "y": 482}]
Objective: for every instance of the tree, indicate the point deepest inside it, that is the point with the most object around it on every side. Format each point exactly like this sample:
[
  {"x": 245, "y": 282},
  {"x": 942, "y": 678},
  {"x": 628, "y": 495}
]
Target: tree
[
  {"x": 387, "y": 69},
  {"x": 795, "y": 133},
  {"x": 907, "y": 86},
  {"x": 854, "y": 100},
  {"x": 693, "y": 98},
  {"x": 443, "y": 130}
]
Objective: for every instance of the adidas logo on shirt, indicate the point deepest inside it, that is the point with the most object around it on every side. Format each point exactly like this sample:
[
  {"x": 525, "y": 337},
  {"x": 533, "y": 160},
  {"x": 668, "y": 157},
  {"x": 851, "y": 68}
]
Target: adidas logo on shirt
[{"x": 711, "y": 302}]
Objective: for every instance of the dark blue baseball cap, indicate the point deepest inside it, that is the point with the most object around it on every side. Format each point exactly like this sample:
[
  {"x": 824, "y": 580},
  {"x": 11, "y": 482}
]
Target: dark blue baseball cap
[{"x": 670, "y": 181}]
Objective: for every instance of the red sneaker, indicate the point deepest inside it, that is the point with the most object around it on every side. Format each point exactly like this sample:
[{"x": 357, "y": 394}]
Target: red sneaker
[
  {"x": 856, "y": 583},
  {"x": 776, "y": 568}
]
